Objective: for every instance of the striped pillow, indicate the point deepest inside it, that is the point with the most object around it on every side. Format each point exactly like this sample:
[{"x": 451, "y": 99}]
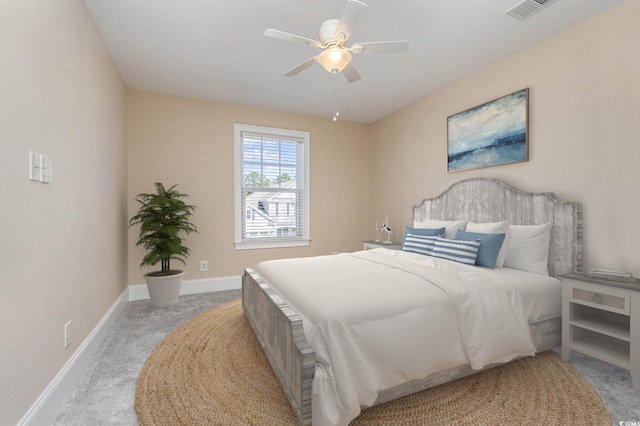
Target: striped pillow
[
  {"x": 417, "y": 243},
  {"x": 457, "y": 250},
  {"x": 425, "y": 232}
]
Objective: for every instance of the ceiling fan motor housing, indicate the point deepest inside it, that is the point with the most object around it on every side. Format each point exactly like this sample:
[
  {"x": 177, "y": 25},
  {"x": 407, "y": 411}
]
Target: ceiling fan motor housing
[{"x": 327, "y": 33}]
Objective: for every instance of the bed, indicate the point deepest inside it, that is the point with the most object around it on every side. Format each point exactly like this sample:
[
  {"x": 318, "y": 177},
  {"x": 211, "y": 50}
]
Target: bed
[{"x": 367, "y": 344}]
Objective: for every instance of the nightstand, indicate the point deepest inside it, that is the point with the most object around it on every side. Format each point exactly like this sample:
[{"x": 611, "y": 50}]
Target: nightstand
[
  {"x": 371, "y": 244},
  {"x": 601, "y": 318}
]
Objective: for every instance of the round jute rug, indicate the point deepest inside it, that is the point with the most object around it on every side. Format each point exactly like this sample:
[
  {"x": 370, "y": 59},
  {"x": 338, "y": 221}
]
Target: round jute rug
[{"x": 212, "y": 371}]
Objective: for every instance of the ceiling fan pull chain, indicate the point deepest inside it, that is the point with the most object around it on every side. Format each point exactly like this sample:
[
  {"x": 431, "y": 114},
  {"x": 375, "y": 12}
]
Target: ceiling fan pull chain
[{"x": 336, "y": 113}]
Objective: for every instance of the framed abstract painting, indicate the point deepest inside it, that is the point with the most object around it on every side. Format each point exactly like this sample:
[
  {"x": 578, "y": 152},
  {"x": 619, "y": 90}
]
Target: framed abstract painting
[{"x": 491, "y": 134}]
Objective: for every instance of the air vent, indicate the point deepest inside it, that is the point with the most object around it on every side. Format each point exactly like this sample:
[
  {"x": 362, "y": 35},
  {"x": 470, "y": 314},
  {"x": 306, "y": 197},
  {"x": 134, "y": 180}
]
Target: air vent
[{"x": 526, "y": 8}]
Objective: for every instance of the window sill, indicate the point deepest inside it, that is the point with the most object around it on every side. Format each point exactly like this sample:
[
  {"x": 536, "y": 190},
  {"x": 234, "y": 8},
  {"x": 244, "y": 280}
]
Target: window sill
[{"x": 252, "y": 245}]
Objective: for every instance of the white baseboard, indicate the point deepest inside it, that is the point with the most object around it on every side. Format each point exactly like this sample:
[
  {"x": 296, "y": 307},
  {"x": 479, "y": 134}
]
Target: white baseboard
[
  {"x": 204, "y": 285},
  {"x": 44, "y": 410}
]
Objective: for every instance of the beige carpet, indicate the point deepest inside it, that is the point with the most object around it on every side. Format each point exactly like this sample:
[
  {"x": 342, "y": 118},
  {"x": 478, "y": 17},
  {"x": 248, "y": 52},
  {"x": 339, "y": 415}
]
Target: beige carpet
[{"x": 212, "y": 371}]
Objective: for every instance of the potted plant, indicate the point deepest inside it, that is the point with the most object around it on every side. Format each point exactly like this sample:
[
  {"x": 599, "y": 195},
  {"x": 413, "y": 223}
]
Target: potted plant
[{"x": 162, "y": 217}]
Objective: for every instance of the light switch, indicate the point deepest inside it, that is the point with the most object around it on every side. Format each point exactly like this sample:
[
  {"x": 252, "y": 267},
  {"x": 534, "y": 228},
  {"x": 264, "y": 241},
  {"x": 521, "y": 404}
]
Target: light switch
[
  {"x": 47, "y": 169},
  {"x": 35, "y": 168}
]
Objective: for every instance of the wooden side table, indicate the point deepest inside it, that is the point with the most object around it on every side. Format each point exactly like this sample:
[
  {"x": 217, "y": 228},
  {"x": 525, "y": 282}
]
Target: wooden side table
[
  {"x": 371, "y": 244},
  {"x": 601, "y": 318}
]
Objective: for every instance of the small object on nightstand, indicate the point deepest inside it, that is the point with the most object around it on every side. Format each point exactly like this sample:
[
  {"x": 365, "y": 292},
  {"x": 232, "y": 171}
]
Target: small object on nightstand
[
  {"x": 387, "y": 229},
  {"x": 601, "y": 318},
  {"x": 371, "y": 244},
  {"x": 606, "y": 274}
]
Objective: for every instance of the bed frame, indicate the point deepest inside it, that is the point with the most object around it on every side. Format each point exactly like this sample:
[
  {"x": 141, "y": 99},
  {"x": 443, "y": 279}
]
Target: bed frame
[{"x": 279, "y": 329}]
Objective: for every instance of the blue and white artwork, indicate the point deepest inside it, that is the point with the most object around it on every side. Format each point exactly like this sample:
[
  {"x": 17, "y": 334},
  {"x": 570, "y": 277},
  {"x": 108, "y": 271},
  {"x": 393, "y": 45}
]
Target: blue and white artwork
[{"x": 490, "y": 134}]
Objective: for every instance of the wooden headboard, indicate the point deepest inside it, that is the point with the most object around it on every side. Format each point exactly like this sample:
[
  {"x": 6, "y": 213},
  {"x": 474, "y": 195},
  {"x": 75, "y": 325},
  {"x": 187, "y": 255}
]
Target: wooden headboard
[{"x": 491, "y": 200}]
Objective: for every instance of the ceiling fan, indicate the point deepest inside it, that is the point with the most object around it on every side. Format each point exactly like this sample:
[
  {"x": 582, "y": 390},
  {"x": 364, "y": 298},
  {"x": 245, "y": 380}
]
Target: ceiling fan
[{"x": 334, "y": 36}]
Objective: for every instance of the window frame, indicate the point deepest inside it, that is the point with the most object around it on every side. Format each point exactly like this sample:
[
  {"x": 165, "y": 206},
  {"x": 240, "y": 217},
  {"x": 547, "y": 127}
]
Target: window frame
[{"x": 239, "y": 212}]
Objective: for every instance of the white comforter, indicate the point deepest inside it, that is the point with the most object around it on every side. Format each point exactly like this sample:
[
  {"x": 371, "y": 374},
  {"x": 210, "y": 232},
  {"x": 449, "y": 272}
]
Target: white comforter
[{"x": 379, "y": 318}]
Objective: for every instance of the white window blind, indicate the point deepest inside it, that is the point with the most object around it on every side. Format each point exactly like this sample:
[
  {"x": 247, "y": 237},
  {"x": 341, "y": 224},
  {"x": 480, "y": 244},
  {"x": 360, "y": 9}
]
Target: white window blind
[{"x": 271, "y": 187}]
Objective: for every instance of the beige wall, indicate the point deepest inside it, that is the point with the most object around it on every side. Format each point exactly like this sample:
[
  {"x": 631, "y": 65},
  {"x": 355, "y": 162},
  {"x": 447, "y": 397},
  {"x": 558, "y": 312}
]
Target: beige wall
[
  {"x": 584, "y": 112},
  {"x": 62, "y": 96},
  {"x": 63, "y": 250},
  {"x": 189, "y": 142}
]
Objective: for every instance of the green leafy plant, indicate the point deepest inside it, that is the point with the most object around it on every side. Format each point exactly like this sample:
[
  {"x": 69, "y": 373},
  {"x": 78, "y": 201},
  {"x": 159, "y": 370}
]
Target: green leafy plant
[{"x": 162, "y": 217}]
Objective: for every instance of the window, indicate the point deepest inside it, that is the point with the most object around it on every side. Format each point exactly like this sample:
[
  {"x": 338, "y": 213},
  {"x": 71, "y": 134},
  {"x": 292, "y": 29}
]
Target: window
[{"x": 271, "y": 187}]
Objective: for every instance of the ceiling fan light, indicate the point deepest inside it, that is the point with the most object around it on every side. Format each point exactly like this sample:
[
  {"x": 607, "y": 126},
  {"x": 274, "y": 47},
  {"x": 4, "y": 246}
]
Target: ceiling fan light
[{"x": 334, "y": 59}]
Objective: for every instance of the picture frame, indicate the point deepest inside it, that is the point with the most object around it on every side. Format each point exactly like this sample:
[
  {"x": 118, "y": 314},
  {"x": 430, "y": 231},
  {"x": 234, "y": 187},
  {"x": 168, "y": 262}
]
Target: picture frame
[{"x": 491, "y": 134}]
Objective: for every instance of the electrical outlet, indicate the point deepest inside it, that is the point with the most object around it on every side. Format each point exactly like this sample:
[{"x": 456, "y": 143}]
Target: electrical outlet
[
  {"x": 67, "y": 334},
  {"x": 204, "y": 265}
]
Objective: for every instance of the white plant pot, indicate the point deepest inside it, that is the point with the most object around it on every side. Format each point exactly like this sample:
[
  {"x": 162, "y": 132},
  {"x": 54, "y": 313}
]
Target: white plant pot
[{"x": 164, "y": 290}]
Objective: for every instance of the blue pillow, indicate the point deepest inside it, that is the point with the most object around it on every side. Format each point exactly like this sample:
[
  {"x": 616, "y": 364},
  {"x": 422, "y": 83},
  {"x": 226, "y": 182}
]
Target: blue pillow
[
  {"x": 457, "y": 250},
  {"x": 490, "y": 245},
  {"x": 420, "y": 240}
]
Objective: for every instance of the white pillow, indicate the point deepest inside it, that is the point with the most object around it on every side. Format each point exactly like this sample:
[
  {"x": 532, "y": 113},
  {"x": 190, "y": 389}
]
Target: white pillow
[
  {"x": 528, "y": 248},
  {"x": 450, "y": 226},
  {"x": 494, "y": 228}
]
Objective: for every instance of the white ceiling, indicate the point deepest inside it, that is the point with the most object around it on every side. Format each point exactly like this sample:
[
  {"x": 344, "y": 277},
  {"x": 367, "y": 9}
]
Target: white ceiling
[{"x": 216, "y": 50}]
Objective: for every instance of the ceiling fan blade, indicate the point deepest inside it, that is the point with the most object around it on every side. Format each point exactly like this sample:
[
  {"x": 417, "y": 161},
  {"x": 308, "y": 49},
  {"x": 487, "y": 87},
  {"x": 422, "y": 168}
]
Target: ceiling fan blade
[
  {"x": 351, "y": 74},
  {"x": 292, "y": 37},
  {"x": 303, "y": 66},
  {"x": 399, "y": 46},
  {"x": 351, "y": 14}
]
